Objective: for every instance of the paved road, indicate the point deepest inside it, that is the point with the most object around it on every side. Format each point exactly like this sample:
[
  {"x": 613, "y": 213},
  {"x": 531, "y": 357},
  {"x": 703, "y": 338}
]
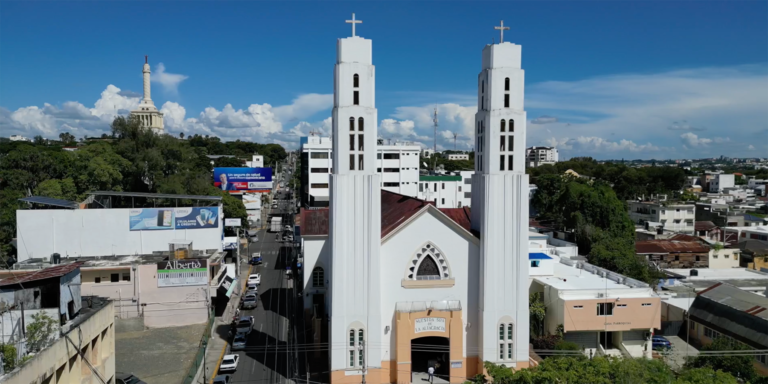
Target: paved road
[
  {"x": 268, "y": 356},
  {"x": 680, "y": 350}
]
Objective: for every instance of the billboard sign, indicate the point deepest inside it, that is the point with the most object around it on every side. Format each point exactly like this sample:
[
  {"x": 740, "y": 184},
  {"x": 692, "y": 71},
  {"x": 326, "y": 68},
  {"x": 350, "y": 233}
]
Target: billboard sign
[
  {"x": 181, "y": 273},
  {"x": 231, "y": 222},
  {"x": 243, "y": 179},
  {"x": 152, "y": 219}
]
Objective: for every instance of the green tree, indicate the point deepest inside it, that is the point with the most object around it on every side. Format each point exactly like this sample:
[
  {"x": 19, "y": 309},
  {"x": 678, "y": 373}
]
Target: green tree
[
  {"x": 537, "y": 310},
  {"x": 705, "y": 375},
  {"x": 223, "y": 162},
  {"x": 40, "y": 331},
  {"x": 9, "y": 357},
  {"x": 67, "y": 138},
  {"x": 58, "y": 189},
  {"x": 738, "y": 366}
]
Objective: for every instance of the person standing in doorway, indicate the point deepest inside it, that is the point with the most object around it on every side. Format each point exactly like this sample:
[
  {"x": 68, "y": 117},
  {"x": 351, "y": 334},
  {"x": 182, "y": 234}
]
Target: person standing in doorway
[{"x": 431, "y": 373}]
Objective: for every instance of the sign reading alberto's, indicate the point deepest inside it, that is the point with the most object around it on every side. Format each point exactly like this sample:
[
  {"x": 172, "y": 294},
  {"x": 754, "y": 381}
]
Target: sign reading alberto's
[
  {"x": 179, "y": 273},
  {"x": 151, "y": 219},
  {"x": 429, "y": 324},
  {"x": 243, "y": 179}
]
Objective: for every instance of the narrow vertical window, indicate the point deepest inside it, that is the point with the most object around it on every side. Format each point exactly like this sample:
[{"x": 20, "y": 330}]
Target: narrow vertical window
[
  {"x": 501, "y": 351},
  {"x": 509, "y": 351},
  {"x": 356, "y": 98},
  {"x": 511, "y": 145},
  {"x": 442, "y": 186},
  {"x": 360, "y": 337},
  {"x": 356, "y": 81},
  {"x": 506, "y": 84},
  {"x": 351, "y": 124},
  {"x": 506, "y": 100},
  {"x": 482, "y": 87},
  {"x": 360, "y": 162},
  {"x": 351, "y": 162},
  {"x": 351, "y": 142},
  {"x": 511, "y": 125},
  {"x": 501, "y": 162},
  {"x": 503, "y": 125},
  {"x": 360, "y": 124},
  {"x": 502, "y": 144},
  {"x": 360, "y": 142},
  {"x": 352, "y": 358},
  {"x": 510, "y": 168},
  {"x": 351, "y": 337},
  {"x": 509, "y": 331}
]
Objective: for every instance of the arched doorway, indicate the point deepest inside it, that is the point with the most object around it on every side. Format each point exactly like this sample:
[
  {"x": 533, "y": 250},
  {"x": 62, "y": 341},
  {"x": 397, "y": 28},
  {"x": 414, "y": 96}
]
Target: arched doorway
[{"x": 431, "y": 351}]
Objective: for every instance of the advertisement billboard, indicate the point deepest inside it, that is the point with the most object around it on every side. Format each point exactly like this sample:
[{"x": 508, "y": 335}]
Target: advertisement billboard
[
  {"x": 243, "y": 179},
  {"x": 181, "y": 273},
  {"x": 152, "y": 219}
]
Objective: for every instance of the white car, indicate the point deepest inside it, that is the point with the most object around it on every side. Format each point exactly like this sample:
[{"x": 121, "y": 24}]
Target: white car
[
  {"x": 254, "y": 279},
  {"x": 229, "y": 363}
]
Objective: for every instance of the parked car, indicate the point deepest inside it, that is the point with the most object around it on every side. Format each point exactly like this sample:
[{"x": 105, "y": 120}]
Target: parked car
[
  {"x": 661, "y": 342},
  {"x": 245, "y": 324},
  {"x": 254, "y": 279},
  {"x": 229, "y": 363},
  {"x": 251, "y": 289},
  {"x": 250, "y": 301},
  {"x": 255, "y": 258},
  {"x": 127, "y": 378},
  {"x": 221, "y": 379},
  {"x": 238, "y": 343}
]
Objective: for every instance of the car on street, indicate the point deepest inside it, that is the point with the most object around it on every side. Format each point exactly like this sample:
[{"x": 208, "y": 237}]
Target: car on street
[
  {"x": 221, "y": 379},
  {"x": 238, "y": 343},
  {"x": 250, "y": 301},
  {"x": 229, "y": 363},
  {"x": 254, "y": 279},
  {"x": 127, "y": 378},
  {"x": 661, "y": 342},
  {"x": 255, "y": 258},
  {"x": 245, "y": 324},
  {"x": 251, "y": 289}
]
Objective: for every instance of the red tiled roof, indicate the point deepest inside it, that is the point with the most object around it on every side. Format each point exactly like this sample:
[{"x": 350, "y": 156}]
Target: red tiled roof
[
  {"x": 395, "y": 210},
  {"x": 460, "y": 216},
  {"x": 670, "y": 246},
  {"x": 57, "y": 271},
  {"x": 704, "y": 225}
]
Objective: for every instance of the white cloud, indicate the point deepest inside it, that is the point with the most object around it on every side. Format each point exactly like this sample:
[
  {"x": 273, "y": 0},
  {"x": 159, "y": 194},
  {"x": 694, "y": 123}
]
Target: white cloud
[
  {"x": 304, "y": 106},
  {"x": 694, "y": 140},
  {"x": 751, "y": 147},
  {"x": 169, "y": 81},
  {"x": 597, "y": 144},
  {"x": 452, "y": 118},
  {"x": 544, "y": 120}
]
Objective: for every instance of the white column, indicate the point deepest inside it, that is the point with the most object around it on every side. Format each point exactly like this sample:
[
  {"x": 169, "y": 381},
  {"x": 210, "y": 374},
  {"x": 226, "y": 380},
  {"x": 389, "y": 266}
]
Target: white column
[{"x": 147, "y": 91}]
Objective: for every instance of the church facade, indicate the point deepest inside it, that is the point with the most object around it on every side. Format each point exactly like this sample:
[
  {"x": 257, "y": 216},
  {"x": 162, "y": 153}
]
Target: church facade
[{"x": 397, "y": 285}]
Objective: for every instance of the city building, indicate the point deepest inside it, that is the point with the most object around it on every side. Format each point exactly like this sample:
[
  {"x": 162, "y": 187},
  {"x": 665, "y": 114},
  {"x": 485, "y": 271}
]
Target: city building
[
  {"x": 115, "y": 223},
  {"x": 19, "y": 138},
  {"x": 673, "y": 217},
  {"x": 723, "y": 310},
  {"x": 734, "y": 235},
  {"x": 458, "y": 156},
  {"x": 605, "y": 313},
  {"x": 398, "y": 165},
  {"x": 82, "y": 349},
  {"x": 146, "y": 112},
  {"x": 426, "y": 152},
  {"x": 418, "y": 279},
  {"x": 447, "y": 191},
  {"x": 536, "y": 156},
  {"x": 257, "y": 161},
  {"x": 684, "y": 251},
  {"x": 719, "y": 182},
  {"x": 694, "y": 280},
  {"x": 754, "y": 254},
  {"x": 707, "y": 230}
]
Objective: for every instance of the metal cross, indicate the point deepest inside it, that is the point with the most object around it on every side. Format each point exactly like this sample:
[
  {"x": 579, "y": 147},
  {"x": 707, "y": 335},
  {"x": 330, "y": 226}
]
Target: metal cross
[
  {"x": 501, "y": 28},
  {"x": 353, "y": 22}
]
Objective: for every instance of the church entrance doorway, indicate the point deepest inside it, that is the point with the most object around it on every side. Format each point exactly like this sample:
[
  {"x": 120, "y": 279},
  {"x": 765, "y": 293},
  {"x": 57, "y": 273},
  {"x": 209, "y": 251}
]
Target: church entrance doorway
[{"x": 431, "y": 351}]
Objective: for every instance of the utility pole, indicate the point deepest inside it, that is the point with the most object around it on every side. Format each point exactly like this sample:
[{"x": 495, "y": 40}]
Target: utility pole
[
  {"x": 434, "y": 148},
  {"x": 455, "y": 136},
  {"x": 365, "y": 361}
]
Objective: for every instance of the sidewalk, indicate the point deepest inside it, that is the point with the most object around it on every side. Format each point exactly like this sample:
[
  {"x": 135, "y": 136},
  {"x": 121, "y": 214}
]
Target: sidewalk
[{"x": 218, "y": 345}]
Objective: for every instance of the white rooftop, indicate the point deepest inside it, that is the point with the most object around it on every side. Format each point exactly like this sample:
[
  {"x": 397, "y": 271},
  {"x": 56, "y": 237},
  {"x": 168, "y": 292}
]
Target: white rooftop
[
  {"x": 720, "y": 274},
  {"x": 579, "y": 283}
]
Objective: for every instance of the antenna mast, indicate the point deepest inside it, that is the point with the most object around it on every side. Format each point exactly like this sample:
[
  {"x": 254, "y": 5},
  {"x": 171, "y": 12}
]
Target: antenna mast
[
  {"x": 455, "y": 135},
  {"x": 434, "y": 149}
]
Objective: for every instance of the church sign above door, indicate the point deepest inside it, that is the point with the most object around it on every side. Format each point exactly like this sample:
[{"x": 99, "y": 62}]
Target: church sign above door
[{"x": 429, "y": 324}]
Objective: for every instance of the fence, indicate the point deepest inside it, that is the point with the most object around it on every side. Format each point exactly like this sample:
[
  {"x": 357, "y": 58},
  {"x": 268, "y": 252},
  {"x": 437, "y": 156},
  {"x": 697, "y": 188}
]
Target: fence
[{"x": 200, "y": 356}]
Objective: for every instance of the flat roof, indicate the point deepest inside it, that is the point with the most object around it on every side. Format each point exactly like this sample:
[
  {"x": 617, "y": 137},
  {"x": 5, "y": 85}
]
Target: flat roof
[
  {"x": 108, "y": 261},
  {"x": 51, "y": 201},
  {"x": 154, "y": 195},
  {"x": 719, "y": 274},
  {"x": 440, "y": 178},
  {"x": 570, "y": 278}
]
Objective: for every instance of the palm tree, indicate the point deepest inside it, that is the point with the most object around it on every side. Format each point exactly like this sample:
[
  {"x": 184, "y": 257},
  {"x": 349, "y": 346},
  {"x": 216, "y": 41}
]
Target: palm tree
[{"x": 181, "y": 135}]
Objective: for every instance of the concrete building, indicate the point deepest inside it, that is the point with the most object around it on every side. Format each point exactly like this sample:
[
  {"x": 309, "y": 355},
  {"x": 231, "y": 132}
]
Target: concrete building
[
  {"x": 446, "y": 191},
  {"x": 458, "y": 156},
  {"x": 536, "y": 156},
  {"x": 605, "y": 313},
  {"x": 684, "y": 251},
  {"x": 19, "y": 138},
  {"x": 734, "y": 235},
  {"x": 427, "y": 153},
  {"x": 146, "y": 112},
  {"x": 93, "y": 228},
  {"x": 397, "y": 165},
  {"x": 419, "y": 279},
  {"x": 719, "y": 182},
  {"x": 673, "y": 217},
  {"x": 257, "y": 161},
  {"x": 698, "y": 279}
]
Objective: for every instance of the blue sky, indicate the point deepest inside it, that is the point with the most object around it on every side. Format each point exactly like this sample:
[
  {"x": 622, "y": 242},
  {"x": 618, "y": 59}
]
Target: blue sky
[{"x": 604, "y": 79}]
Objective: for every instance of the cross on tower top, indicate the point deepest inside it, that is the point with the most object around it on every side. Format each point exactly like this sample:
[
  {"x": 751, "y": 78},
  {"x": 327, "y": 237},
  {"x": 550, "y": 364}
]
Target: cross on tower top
[
  {"x": 353, "y": 22},
  {"x": 501, "y": 28}
]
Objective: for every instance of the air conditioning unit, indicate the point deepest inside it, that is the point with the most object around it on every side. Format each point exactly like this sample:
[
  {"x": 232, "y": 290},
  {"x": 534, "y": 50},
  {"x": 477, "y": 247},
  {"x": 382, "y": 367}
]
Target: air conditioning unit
[{"x": 600, "y": 295}]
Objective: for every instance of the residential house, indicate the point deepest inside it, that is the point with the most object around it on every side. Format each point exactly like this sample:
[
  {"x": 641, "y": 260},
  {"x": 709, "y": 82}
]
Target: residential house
[{"x": 674, "y": 217}]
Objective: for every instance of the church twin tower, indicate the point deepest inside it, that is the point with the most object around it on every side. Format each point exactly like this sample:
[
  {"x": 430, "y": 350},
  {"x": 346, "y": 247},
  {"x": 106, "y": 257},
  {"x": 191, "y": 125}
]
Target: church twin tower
[{"x": 362, "y": 340}]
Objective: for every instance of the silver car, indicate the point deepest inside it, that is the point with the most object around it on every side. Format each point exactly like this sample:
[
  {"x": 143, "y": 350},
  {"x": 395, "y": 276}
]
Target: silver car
[{"x": 239, "y": 341}]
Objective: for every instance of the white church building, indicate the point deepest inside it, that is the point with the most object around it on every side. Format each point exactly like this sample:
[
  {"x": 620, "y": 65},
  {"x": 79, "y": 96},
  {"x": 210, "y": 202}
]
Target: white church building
[{"x": 401, "y": 284}]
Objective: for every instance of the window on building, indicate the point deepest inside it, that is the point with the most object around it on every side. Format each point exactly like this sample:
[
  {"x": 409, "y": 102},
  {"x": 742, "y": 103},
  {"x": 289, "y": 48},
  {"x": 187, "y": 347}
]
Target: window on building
[
  {"x": 351, "y": 142},
  {"x": 502, "y": 144},
  {"x": 360, "y": 124},
  {"x": 578, "y": 306},
  {"x": 503, "y": 125},
  {"x": 506, "y": 341},
  {"x": 510, "y": 164},
  {"x": 351, "y": 124},
  {"x": 482, "y": 86},
  {"x": 318, "y": 185},
  {"x": 459, "y": 188},
  {"x": 391, "y": 156},
  {"x": 114, "y": 278},
  {"x": 621, "y": 305},
  {"x": 360, "y": 142},
  {"x": 360, "y": 163},
  {"x": 351, "y": 162},
  {"x": 97, "y": 280},
  {"x": 646, "y": 304},
  {"x": 501, "y": 160},
  {"x": 442, "y": 201},
  {"x": 356, "y": 81},
  {"x": 605, "y": 309},
  {"x": 391, "y": 184},
  {"x": 535, "y": 263},
  {"x": 318, "y": 170},
  {"x": 391, "y": 170},
  {"x": 319, "y": 155},
  {"x": 356, "y": 98},
  {"x": 506, "y": 84},
  {"x": 711, "y": 333},
  {"x": 506, "y": 100},
  {"x": 318, "y": 277},
  {"x": 511, "y": 145},
  {"x": 443, "y": 185},
  {"x": 126, "y": 276},
  {"x": 421, "y": 187},
  {"x": 434, "y": 187}
]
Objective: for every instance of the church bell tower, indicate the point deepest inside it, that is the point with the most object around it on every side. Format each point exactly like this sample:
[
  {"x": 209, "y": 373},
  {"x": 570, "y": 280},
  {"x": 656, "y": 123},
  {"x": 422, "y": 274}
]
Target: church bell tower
[
  {"x": 500, "y": 205},
  {"x": 355, "y": 210}
]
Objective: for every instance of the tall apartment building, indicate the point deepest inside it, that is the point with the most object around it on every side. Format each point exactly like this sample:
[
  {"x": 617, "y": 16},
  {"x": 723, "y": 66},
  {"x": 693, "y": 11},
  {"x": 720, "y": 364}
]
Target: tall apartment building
[
  {"x": 719, "y": 182},
  {"x": 536, "y": 156},
  {"x": 673, "y": 217},
  {"x": 397, "y": 164}
]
